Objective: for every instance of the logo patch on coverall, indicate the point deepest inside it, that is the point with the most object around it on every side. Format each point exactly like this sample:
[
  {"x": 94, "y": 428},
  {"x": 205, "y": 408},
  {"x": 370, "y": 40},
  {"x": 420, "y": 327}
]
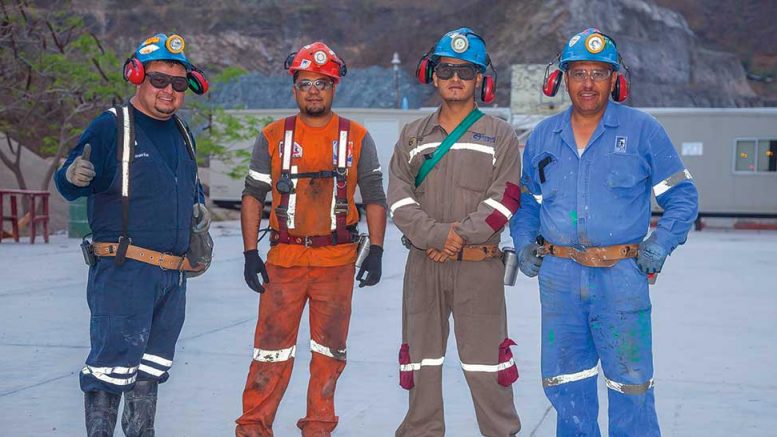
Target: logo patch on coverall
[{"x": 620, "y": 144}]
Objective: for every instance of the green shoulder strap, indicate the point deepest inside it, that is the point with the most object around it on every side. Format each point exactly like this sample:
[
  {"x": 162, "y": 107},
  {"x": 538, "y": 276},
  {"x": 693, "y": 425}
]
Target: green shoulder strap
[{"x": 446, "y": 145}]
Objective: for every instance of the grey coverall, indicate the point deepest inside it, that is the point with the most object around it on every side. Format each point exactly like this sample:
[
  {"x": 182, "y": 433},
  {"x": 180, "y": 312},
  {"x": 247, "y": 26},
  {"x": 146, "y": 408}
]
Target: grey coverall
[{"x": 475, "y": 184}]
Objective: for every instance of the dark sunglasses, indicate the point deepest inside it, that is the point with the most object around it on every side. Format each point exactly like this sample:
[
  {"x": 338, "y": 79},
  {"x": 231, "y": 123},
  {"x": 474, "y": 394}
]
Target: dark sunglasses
[
  {"x": 464, "y": 71},
  {"x": 320, "y": 84},
  {"x": 161, "y": 81}
]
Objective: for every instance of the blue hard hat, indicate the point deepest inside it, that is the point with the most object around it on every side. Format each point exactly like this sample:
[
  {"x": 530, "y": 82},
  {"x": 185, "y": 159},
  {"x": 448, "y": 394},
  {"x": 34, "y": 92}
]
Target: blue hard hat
[
  {"x": 589, "y": 45},
  {"x": 160, "y": 47},
  {"x": 463, "y": 44}
]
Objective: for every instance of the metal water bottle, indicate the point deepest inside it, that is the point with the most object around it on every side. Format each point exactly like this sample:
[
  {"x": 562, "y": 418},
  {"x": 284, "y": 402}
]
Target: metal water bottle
[
  {"x": 510, "y": 261},
  {"x": 363, "y": 250}
]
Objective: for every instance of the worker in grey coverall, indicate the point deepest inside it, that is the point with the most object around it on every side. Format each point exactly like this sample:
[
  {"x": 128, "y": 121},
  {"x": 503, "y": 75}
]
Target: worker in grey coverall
[{"x": 452, "y": 223}]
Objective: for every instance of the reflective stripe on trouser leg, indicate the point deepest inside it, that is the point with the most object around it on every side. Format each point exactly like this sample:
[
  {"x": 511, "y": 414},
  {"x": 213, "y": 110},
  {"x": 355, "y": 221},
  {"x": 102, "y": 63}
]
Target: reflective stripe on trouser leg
[
  {"x": 280, "y": 309},
  {"x": 330, "y": 292},
  {"x": 480, "y": 325},
  {"x": 624, "y": 342},
  {"x": 425, "y": 328},
  {"x": 124, "y": 321},
  {"x": 166, "y": 326},
  {"x": 569, "y": 357}
]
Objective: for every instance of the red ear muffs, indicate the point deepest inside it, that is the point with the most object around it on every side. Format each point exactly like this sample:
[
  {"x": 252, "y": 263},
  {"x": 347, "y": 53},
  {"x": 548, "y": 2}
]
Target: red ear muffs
[
  {"x": 197, "y": 81},
  {"x": 552, "y": 83},
  {"x": 134, "y": 72},
  {"x": 621, "y": 90},
  {"x": 488, "y": 89},
  {"x": 424, "y": 70}
]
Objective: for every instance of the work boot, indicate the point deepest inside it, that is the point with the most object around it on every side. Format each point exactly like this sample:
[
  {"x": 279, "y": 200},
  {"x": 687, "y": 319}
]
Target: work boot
[
  {"x": 137, "y": 420},
  {"x": 101, "y": 409}
]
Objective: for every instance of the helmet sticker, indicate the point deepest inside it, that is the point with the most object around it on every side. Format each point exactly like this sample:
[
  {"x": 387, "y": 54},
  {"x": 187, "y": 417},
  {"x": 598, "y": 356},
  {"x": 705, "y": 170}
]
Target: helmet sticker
[
  {"x": 320, "y": 57},
  {"x": 151, "y": 48},
  {"x": 151, "y": 40},
  {"x": 175, "y": 44},
  {"x": 594, "y": 43},
  {"x": 459, "y": 43},
  {"x": 305, "y": 63},
  {"x": 574, "y": 40}
]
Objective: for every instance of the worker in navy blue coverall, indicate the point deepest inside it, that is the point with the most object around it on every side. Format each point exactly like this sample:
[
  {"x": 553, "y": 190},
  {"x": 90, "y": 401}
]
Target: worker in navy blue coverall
[
  {"x": 137, "y": 309},
  {"x": 587, "y": 178}
]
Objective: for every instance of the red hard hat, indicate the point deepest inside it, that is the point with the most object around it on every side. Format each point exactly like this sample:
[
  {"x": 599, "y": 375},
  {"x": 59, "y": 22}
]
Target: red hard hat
[{"x": 318, "y": 58}]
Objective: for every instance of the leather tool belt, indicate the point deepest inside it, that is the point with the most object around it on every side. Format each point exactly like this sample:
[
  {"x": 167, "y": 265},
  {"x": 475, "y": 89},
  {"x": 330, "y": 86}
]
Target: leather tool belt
[
  {"x": 479, "y": 252},
  {"x": 313, "y": 241},
  {"x": 165, "y": 261},
  {"x": 605, "y": 256}
]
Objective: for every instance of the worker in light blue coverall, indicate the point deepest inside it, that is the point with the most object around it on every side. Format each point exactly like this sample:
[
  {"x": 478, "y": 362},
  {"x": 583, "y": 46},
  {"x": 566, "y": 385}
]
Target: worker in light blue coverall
[
  {"x": 587, "y": 179},
  {"x": 137, "y": 308}
]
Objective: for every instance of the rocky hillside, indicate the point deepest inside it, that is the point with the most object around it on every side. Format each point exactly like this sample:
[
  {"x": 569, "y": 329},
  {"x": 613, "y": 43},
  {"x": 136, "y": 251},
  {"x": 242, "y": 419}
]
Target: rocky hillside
[{"x": 670, "y": 64}]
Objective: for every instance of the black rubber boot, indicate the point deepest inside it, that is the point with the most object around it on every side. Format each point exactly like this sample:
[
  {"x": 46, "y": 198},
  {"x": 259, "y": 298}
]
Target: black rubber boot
[
  {"x": 101, "y": 410},
  {"x": 137, "y": 420}
]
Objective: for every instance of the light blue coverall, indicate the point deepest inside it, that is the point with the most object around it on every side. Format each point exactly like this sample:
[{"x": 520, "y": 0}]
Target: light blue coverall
[{"x": 592, "y": 314}]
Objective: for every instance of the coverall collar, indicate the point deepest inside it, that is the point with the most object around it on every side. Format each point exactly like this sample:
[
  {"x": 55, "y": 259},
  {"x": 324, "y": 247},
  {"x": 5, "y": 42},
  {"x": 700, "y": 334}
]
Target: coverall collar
[
  {"x": 434, "y": 122},
  {"x": 564, "y": 125}
]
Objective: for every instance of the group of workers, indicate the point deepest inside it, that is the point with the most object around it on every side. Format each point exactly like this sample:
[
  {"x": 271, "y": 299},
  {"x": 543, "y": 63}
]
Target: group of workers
[{"x": 578, "y": 210}]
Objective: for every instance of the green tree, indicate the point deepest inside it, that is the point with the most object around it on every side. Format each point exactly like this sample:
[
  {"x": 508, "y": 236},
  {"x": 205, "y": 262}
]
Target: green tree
[
  {"x": 54, "y": 76},
  {"x": 220, "y": 132}
]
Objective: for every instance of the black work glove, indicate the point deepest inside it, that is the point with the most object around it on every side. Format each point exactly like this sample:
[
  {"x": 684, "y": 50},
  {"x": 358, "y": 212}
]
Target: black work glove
[
  {"x": 253, "y": 266},
  {"x": 373, "y": 265}
]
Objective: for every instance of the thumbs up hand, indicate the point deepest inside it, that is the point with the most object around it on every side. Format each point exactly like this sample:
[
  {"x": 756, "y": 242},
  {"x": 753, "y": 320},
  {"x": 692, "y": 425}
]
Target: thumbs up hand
[{"x": 81, "y": 170}]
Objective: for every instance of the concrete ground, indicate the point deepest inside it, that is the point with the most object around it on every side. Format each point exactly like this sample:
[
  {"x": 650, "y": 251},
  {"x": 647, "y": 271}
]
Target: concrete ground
[{"x": 714, "y": 312}]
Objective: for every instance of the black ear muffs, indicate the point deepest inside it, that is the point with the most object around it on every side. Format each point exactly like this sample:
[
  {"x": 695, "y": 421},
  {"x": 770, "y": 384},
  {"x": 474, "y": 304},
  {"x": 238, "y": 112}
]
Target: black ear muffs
[
  {"x": 289, "y": 60},
  {"x": 134, "y": 72},
  {"x": 198, "y": 83}
]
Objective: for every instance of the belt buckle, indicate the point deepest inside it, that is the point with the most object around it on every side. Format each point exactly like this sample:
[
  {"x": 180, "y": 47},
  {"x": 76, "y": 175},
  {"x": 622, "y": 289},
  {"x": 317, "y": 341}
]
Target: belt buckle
[
  {"x": 162, "y": 259},
  {"x": 307, "y": 241}
]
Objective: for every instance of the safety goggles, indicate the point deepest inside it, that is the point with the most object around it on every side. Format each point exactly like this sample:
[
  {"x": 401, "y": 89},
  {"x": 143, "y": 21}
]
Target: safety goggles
[
  {"x": 320, "y": 84},
  {"x": 161, "y": 81},
  {"x": 579, "y": 75},
  {"x": 464, "y": 71}
]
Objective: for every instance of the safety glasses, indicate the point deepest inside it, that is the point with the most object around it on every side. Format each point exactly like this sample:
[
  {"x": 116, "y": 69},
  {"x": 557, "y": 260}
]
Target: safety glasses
[
  {"x": 579, "y": 75},
  {"x": 320, "y": 84},
  {"x": 161, "y": 81},
  {"x": 464, "y": 71}
]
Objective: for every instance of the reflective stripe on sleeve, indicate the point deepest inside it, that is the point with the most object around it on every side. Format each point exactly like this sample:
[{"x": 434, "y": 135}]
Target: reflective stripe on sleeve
[
  {"x": 329, "y": 352},
  {"x": 158, "y": 360},
  {"x": 664, "y": 186},
  {"x": 261, "y": 177},
  {"x": 457, "y": 146},
  {"x": 569, "y": 377},
  {"x": 629, "y": 389},
  {"x": 487, "y": 368},
  {"x": 402, "y": 202},
  {"x": 422, "y": 363},
  {"x": 271, "y": 356},
  {"x": 499, "y": 207}
]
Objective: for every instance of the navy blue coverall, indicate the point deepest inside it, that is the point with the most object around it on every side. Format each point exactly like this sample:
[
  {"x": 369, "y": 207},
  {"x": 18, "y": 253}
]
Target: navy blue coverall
[{"x": 137, "y": 309}]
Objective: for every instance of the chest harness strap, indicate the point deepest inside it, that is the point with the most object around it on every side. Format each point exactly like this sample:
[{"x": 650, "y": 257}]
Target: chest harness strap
[
  {"x": 125, "y": 152},
  {"x": 341, "y": 234}
]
